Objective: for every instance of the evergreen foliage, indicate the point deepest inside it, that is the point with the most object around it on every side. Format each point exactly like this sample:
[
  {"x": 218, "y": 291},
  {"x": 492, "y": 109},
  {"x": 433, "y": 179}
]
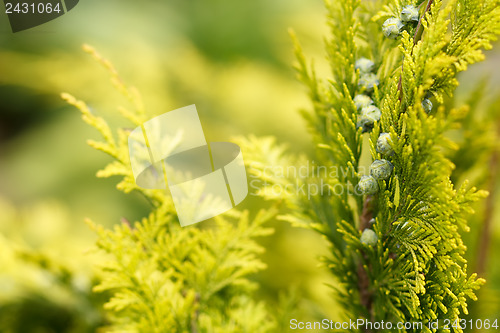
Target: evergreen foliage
[
  {"x": 161, "y": 277},
  {"x": 53, "y": 292},
  {"x": 413, "y": 267}
]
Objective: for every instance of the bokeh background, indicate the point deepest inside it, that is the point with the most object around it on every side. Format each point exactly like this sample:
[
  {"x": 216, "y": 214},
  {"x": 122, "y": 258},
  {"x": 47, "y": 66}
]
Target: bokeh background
[{"x": 233, "y": 60}]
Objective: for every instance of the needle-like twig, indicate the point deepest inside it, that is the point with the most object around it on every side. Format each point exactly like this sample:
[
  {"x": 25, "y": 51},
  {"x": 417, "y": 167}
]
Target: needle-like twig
[
  {"x": 416, "y": 37},
  {"x": 367, "y": 214}
]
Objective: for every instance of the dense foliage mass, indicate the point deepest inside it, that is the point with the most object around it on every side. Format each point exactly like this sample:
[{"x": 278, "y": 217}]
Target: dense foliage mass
[
  {"x": 161, "y": 277},
  {"x": 394, "y": 228}
]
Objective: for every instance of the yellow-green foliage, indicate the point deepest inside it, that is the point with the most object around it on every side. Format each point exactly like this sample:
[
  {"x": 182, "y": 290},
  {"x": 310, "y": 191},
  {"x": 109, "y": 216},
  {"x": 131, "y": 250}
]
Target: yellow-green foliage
[
  {"x": 417, "y": 270},
  {"x": 54, "y": 292},
  {"x": 161, "y": 277}
]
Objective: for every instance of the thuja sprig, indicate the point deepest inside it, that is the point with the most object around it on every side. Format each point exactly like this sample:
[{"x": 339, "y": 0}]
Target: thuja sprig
[
  {"x": 396, "y": 247},
  {"x": 369, "y": 184},
  {"x": 160, "y": 277}
]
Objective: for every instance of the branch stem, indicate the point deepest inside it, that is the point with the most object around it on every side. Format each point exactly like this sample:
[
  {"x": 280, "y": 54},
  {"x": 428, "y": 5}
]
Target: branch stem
[
  {"x": 363, "y": 280},
  {"x": 367, "y": 214}
]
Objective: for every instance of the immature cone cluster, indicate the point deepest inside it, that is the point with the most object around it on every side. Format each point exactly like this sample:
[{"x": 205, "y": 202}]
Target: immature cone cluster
[
  {"x": 362, "y": 101},
  {"x": 410, "y": 14},
  {"x": 368, "y": 116},
  {"x": 384, "y": 144},
  {"x": 369, "y": 237},
  {"x": 381, "y": 169},
  {"x": 367, "y": 80},
  {"x": 364, "y": 65},
  {"x": 392, "y": 26},
  {"x": 368, "y": 185},
  {"x": 427, "y": 105},
  {"x": 368, "y": 113}
]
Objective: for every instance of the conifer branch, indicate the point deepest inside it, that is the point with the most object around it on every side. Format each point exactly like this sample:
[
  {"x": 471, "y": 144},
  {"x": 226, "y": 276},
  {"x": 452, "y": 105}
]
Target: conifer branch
[
  {"x": 367, "y": 213},
  {"x": 416, "y": 37},
  {"x": 420, "y": 27},
  {"x": 165, "y": 278},
  {"x": 409, "y": 265},
  {"x": 363, "y": 279}
]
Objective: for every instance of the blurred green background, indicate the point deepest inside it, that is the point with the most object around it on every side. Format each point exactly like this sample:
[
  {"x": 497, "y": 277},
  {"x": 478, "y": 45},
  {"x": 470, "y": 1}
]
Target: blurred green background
[{"x": 230, "y": 58}]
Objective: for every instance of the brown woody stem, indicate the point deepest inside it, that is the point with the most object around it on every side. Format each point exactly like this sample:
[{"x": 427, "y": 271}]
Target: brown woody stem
[{"x": 363, "y": 281}]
